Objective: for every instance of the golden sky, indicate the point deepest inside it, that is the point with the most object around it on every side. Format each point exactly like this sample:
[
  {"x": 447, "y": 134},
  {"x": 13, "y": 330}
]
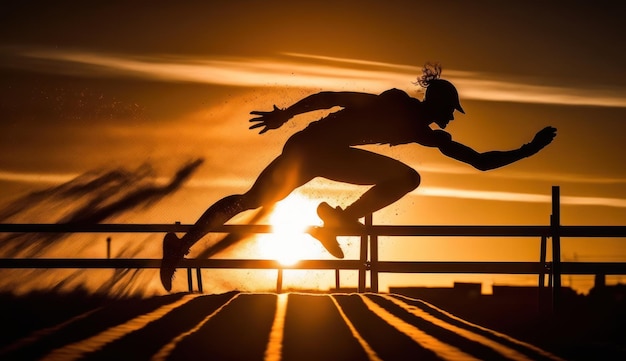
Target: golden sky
[{"x": 97, "y": 86}]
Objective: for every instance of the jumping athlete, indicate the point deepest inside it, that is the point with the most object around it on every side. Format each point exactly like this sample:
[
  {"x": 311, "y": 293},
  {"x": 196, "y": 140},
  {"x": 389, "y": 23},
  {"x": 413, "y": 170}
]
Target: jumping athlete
[{"x": 326, "y": 148}]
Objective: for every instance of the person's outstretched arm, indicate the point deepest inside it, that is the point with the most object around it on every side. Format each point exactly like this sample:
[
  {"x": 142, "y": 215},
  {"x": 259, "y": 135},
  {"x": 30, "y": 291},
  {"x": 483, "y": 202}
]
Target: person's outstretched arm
[
  {"x": 492, "y": 159},
  {"x": 323, "y": 100}
]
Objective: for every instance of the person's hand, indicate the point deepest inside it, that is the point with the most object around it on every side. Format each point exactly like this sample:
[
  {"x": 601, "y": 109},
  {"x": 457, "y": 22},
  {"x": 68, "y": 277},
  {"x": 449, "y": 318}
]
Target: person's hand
[
  {"x": 269, "y": 120},
  {"x": 543, "y": 137}
]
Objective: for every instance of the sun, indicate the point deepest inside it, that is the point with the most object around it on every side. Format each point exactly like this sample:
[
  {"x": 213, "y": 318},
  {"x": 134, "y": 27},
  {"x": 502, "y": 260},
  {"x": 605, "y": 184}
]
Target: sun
[{"x": 289, "y": 241}]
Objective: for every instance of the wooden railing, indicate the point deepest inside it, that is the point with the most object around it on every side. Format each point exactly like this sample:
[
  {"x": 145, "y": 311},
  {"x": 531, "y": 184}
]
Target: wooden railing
[{"x": 368, "y": 260}]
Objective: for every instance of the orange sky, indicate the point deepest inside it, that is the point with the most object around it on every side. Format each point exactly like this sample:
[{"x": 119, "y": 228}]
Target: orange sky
[{"x": 96, "y": 86}]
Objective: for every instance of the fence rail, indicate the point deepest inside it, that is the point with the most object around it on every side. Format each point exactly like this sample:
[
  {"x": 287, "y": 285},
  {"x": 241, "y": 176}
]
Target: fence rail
[
  {"x": 370, "y": 230},
  {"x": 368, "y": 255},
  {"x": 119, "y": 263}
]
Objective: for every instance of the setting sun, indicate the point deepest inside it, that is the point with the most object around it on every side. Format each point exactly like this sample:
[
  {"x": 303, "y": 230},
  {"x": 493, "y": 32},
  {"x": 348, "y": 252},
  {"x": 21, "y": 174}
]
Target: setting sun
[{"x": 289, "y": 242}]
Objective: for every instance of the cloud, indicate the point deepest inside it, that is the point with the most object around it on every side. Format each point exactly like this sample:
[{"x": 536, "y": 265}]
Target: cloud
[
  {"x": 305, "y": 71},
  {"x": 38, "y": 178},
  {"x": 447, "y": 192},
  {"x": 557, "y": 178},
  {"x": 519, "y": 197}
]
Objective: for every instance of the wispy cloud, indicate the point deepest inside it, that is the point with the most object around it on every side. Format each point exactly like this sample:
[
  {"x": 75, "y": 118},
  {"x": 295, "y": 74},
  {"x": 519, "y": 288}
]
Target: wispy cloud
[
  {"x": 39, "y": 178},
  {"x": 446, "y": 192},
  {"x": 520, "y": 197},
  {"x": 308, "y": 71},
  {"x": 556, "y": 178}
]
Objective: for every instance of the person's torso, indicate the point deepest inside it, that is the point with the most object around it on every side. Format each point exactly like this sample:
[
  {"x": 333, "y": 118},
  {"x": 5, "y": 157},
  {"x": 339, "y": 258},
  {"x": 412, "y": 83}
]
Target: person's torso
[{"x": 393, "y": 118}]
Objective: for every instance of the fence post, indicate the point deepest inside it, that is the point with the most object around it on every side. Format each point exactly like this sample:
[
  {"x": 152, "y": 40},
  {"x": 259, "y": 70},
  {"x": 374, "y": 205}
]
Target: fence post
[
  {"x": 190, "y": 279},
  {"x": 108, "y": 247},
  {"x": 279, "y": 281},
  {"x": 542, "y": 261},
  {"x": 555, "y": 222},
  {"x": 541, "y": 295},
  {"x": 199, "y": 279},
  {"x": 373, "y": 257},
  {"x": 363, "y": 256}
]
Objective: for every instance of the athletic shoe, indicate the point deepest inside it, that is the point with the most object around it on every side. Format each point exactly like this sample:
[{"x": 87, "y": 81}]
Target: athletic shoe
[
  {"x": 333, "y": 218},
  {"x": 328, "y": 240},
  {"x": 173, "y": 252}
]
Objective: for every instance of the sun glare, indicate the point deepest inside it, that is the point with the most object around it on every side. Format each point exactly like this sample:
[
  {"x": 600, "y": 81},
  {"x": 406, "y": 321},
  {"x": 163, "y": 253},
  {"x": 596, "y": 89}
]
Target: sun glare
[{"x": 289, "y": 243}]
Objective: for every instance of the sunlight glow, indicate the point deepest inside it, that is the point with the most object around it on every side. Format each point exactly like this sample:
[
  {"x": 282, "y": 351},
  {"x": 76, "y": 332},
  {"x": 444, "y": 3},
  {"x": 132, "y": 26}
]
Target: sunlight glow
[
  {"x": 289, "y": 243},
  {"x": 275, "y": 343}
]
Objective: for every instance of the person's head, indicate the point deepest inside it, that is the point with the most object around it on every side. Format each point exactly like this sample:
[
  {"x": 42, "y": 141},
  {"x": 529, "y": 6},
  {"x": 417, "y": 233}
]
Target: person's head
[{"x": 441, "y": 98}]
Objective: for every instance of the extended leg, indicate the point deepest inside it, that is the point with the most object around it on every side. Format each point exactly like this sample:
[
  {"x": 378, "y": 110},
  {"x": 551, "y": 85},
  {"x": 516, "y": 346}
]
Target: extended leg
[{"x": 279, "y": 179}]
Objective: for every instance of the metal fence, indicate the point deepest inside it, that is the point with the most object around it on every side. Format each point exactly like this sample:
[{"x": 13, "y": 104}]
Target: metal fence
[{"x": 368, "y": 260}]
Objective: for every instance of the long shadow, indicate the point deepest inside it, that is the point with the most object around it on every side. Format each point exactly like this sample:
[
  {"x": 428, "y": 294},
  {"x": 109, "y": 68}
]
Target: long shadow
[
  {"x": 385, "y": 340},
  {"x": 449, "y": 337},
  {"x": 115, "y": 313},
  {"x": 504, "y": 340},
  {"x": 239, "y": 331},
  {"x": 23, "y": 314},
  {"x": 147, "y": 341},
  {"x": 314, "y": 330}
]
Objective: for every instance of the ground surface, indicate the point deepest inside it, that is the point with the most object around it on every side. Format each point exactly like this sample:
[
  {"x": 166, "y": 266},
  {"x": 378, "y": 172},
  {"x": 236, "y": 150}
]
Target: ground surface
[{"x": 256, "y": 326}]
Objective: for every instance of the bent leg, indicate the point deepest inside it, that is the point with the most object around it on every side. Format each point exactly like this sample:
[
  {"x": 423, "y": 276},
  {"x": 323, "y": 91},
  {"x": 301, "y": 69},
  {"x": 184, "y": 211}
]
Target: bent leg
[{"x": 391, "y": 179}]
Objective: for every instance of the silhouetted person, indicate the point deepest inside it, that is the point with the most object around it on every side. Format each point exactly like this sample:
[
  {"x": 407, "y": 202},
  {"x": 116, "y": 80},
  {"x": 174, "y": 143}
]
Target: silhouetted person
[{"x": 326, "y": 149}]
